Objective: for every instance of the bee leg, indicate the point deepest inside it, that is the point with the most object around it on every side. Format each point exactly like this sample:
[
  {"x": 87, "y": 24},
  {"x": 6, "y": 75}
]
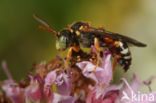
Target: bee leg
[
  {"x": 76, "y": 49},
  {"x": 97, "y": 46},
  {"x": 114, "y": 64},
  {"x": 68, "y": 58}
]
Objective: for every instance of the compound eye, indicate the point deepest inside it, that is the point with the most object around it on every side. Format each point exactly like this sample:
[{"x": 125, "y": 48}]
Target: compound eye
[{"x": 61, "y": 43}]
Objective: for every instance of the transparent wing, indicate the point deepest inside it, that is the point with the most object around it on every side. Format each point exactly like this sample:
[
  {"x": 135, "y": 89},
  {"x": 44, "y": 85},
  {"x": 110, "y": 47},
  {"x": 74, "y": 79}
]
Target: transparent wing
[{"x": 115, "y": 36}]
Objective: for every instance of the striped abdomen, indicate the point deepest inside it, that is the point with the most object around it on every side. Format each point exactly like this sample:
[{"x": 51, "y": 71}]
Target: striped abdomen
[
  {"x": 121, "y": 50},
  {"x": 124, "y": 55}
]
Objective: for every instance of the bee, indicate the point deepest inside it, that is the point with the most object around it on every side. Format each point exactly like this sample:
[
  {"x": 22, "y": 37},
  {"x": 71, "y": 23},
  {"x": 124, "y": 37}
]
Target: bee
[{"x": 83, "y": 34}]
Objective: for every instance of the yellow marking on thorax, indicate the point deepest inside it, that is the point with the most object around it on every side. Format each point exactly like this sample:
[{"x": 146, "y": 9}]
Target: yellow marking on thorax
[
  {"x": 81, "y": 27},
  {"x": 77, "y": 33},
  {"x": 71, "y": 30}
]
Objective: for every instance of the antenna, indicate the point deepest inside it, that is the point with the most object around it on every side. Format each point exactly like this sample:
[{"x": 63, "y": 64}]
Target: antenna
[{"x": 47, "y": 27}]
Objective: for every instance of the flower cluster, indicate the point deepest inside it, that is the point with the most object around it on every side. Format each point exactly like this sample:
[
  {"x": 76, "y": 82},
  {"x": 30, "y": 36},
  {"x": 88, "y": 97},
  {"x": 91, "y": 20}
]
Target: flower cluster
[{"x": 78, "y": 83}]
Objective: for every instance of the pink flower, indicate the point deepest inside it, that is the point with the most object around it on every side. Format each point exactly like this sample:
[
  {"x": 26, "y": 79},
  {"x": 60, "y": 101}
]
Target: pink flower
[
  {"x": 11, "y": 88},
  {"x": 50, "y": 78},
  {"x": 131, "y": 93},
  {"x": 48, "y": 94},
  {"x": 34, "y": 91},
  {"x": 13, "y": 91},
  {"x": 63, "y": 82},
  {"x": 49, "y": 81},
  {"x": 63, "y": 99},
  {"x": 103, "y": 74},
  {"x": 65, "y": 87},
  {"x": 101, "y": 93}
]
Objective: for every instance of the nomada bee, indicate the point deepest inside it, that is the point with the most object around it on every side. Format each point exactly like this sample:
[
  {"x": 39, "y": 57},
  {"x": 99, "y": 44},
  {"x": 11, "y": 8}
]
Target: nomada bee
[{"x": 82, "y": 34}]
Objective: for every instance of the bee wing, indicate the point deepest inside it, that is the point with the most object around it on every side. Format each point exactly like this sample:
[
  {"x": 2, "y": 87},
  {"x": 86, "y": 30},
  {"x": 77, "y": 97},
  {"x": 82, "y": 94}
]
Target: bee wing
[
  {"x": 125, "y": 39},
  {"x": 116, "y": 36}
]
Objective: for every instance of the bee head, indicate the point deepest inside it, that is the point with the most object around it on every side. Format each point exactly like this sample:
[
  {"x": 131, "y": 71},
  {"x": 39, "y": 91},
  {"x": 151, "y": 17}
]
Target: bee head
[
  {"x": 63, "y": 40},
  {"x": 77, "y": 25}
]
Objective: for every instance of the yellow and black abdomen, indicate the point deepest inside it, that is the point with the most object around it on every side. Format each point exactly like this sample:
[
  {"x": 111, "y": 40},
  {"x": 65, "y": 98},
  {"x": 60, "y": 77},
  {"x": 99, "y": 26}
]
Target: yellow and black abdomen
[
  {"x": 120, "y": 50},
  {"x": 125, "y": 55}
]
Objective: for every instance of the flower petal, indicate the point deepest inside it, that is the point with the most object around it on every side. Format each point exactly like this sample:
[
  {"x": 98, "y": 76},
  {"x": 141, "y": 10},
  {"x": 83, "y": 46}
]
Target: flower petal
[
  {"x": 93, "y": 98},
  {"x": 14, "y": 92},
  {"x": 33, "y": 92},
  {"x": 111, "y": 96},
  {"x": 107, "y": 66},
  {"x": 102, "y": 75},
  {"x": 63, "y": 99},
  {"x": 50, "y": 78},
  {"x": 135, "y": 83},
  {"x": 87, "y": 70},
  {"x": 48, "y": 94},
  {"x": 65, "y": 87},
  {"x": 133, "y": 87}
]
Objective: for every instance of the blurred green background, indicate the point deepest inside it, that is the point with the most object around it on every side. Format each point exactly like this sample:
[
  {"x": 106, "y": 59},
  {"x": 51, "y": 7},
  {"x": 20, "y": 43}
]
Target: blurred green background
[{"x": 22, "y": 43}]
